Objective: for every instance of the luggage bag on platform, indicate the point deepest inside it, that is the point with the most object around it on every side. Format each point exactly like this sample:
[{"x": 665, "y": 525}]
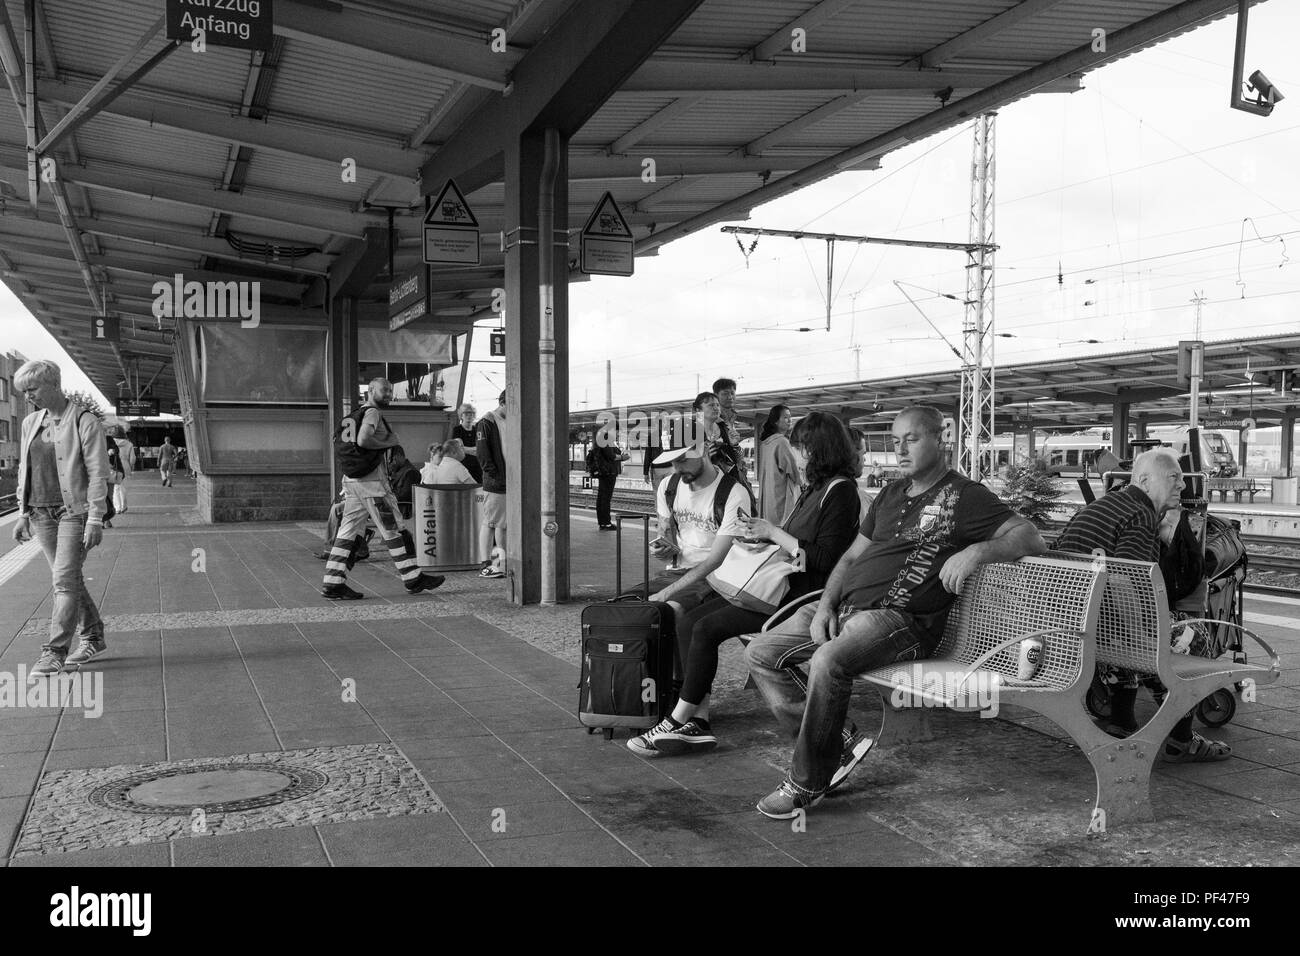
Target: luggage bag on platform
[{"x": 627, "y": 660}]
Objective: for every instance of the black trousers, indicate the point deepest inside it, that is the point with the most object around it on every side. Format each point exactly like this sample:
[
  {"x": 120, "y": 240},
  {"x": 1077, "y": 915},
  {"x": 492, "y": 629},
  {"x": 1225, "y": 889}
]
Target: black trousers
[{"x": 604, "y": 496}]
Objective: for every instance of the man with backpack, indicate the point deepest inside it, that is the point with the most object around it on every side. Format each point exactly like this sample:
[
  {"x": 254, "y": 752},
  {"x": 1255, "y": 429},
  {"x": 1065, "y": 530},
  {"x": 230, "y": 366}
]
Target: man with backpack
[
  {"x": 603, "y": 463},
  {"x": 699, "y": 513},
  {"x": 360, "y": 442}
]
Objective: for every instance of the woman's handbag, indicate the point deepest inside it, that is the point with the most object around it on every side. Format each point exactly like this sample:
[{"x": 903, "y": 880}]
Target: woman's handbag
[{"x": 754, "y": 576}]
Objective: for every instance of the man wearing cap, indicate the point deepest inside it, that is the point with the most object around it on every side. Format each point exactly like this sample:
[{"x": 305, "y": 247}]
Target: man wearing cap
[{"x": 689, "y": 529}]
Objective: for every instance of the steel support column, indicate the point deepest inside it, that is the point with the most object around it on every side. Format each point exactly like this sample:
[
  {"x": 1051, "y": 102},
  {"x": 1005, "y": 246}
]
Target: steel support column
[
  {"x": 524, "y": 447},
  {"x": 1288, "y": 442},
  {"x": 1119, "y": 430}
]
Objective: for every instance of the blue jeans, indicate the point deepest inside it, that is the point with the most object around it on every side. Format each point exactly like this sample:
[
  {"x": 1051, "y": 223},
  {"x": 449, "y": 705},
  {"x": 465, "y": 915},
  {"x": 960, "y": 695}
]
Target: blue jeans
[
  {"x": 813, "y": 709},
  {"x": 60, "y": 535}
]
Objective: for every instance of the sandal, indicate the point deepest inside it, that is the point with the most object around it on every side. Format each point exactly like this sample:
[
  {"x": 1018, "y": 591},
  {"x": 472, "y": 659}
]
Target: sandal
[{"x": 1196, "y": 750}]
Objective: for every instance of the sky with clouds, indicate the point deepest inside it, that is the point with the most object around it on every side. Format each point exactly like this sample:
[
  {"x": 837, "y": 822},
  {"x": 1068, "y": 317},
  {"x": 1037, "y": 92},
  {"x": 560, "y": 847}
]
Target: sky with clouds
[{"x": 1115, "y": 205}]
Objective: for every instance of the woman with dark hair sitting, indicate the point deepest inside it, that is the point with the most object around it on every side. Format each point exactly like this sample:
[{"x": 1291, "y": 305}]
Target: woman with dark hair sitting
[
  {"x": 778, "y": 469},
  {"x": 822, "y": 525}
]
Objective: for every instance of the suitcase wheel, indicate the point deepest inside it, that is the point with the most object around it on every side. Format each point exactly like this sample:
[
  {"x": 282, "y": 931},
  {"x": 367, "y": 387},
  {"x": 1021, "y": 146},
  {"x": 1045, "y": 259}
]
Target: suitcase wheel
[
  {"x": 609, "y": 733},
  {"x": 1217, "y": 709}
]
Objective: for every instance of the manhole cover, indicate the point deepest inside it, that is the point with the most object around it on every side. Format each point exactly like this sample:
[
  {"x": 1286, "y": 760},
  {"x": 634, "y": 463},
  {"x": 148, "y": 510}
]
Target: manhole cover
[{"x": 215, "y": 789}]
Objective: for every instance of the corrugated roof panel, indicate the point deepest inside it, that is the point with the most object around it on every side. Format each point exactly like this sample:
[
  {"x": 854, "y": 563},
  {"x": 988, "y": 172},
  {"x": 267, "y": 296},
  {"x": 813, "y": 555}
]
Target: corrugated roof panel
[
  {"x": 312, "y": 80},
  {"x": 619, "y": 114},
  {"x": 321, "y": 178},
  {"x": 88, "y": 38},
  {"x": 112, "y": 139}
]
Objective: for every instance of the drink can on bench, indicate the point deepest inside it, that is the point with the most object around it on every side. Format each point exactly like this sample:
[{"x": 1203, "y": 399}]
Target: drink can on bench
[{"x": 1030, "y": 659}]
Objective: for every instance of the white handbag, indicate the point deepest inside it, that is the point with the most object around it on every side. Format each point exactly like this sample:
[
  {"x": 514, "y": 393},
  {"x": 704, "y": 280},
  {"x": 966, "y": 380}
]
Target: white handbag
[{"x": 754, "y": 575}]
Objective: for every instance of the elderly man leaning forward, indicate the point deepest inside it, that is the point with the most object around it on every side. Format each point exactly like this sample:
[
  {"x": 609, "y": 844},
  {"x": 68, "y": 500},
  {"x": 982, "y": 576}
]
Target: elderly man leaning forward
[
  {"x": 62, "y": 499},
  {"x": 886, "y": 601},
  {"x": 1126, "y": 523}
]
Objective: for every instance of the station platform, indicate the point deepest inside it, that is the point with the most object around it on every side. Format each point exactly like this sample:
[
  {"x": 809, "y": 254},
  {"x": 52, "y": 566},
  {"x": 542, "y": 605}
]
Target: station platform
[{"x": 440, "y": 730}]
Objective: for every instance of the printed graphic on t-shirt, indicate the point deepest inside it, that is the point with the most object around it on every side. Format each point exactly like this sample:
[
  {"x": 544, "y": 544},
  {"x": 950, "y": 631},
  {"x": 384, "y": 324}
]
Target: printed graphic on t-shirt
[{"x": 932, "y": 530}]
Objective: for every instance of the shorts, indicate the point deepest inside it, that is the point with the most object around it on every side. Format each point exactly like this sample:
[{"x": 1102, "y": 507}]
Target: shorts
[
  {"x": 689, "y": 597},
  {"x": 494, "y": 509}
]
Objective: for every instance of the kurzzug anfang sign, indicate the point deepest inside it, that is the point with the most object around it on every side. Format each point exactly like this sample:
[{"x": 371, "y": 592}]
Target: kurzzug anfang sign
[{"x": 238, "y": 23}]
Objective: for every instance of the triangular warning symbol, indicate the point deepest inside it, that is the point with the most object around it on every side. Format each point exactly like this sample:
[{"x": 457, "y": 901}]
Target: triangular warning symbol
[
  {"x": 450, "y": 208},
  {"x": 607, "y": 220}
]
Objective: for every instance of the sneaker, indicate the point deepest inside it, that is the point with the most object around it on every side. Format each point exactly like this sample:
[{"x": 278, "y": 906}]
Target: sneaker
[
  {"x": 786, "y": 801},
  {"x": 854, "y": 750},
  {"x": 341, "y": 592},
  {"x": 645, "y": 744},
  {"x": 425, "y": 582},
  {"x": 51, "y": 662},
  {"x": 691, "y": 736},
  {"x": 88, "y": 648},
  {"x": 491, "y": 572}
]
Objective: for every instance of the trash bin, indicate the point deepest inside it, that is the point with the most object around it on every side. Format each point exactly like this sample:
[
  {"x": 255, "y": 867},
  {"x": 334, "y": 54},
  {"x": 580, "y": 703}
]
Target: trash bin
[
  {"x": 1286, "y": 491},
  {"x": 446, "y": 522}
]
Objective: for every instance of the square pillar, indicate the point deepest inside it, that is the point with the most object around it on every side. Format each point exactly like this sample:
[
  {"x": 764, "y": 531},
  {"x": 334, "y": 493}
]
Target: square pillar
[
  {"x": 1119, "y": 430},
  {"x": 522, "y": 440},
  {"x": 1288, "y": 443},
  {"x": 342, "y": 317}
]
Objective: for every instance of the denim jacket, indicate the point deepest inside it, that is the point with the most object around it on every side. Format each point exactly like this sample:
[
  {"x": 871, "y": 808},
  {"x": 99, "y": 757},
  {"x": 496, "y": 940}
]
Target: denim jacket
[{"x": 82, "y": 458}]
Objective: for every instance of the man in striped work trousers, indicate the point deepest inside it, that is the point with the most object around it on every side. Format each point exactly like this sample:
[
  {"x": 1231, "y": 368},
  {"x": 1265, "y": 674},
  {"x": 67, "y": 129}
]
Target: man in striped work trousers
[{"x": 365, "y": 433}]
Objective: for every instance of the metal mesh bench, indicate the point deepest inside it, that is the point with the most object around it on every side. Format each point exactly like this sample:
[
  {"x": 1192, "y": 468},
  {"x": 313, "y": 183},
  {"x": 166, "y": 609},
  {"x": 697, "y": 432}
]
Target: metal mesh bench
[{"x": 1133, "y": 632}]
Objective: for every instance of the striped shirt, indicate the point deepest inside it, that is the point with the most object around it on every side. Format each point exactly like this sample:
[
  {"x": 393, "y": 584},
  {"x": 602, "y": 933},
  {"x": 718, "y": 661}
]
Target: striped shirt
[{"x": 1122, "y": 524}]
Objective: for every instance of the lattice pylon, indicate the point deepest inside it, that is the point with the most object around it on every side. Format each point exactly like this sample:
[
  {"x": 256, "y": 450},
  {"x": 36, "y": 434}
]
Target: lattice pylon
[{"x": 975, "y": 421}]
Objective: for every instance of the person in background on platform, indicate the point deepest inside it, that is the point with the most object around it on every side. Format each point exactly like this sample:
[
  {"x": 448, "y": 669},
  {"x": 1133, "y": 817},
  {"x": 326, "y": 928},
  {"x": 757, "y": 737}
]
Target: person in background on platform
[
  {"x": 778, "y": 468},
  {"x": 1128, "y": 523},
  {"x": 725, "y": 389},
  {"x": 608, "y": 460},
  {"x": 371, "y": 497},
  {"x": 126, "y": 453},
  {"x": 451, "y": 469},
  {"x": 465, "y": 431},
  {"x": 887, "y": 600},
  {"x": 430, "y": 466},
  {"x": 491, "y": 457},
  {"x": 62, "y": 498},
  {"x": 822, "y": 524},
  {"x": 167, "y": 461},
  {"x": 115, "y": 475}
]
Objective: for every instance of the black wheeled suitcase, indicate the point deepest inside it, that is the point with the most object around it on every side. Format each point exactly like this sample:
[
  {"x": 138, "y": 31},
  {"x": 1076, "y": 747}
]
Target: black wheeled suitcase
[{"x": 627, "y": 661}]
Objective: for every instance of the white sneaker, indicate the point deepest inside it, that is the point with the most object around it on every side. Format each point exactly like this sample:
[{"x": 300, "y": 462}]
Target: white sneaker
[{"x": 644, "y": 744}]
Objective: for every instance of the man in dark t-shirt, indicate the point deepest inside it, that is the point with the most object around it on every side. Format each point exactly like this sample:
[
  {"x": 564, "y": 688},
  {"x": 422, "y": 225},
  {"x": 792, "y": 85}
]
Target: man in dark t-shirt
[{"x": 886, "y": 601}]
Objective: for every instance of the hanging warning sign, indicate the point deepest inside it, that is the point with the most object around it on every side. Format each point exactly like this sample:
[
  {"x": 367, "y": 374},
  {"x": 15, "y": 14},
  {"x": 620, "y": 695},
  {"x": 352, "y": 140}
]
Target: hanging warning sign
[
  {"x": 607, "y": 244},
  {"x": 451, "y": 229}
]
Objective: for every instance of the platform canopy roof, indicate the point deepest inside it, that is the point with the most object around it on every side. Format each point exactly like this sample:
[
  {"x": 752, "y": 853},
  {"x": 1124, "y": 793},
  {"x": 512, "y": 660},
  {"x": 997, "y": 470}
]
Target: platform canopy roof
[
  {"x": 1244, "y": 377},
  {"x": 232, "y": 164}
]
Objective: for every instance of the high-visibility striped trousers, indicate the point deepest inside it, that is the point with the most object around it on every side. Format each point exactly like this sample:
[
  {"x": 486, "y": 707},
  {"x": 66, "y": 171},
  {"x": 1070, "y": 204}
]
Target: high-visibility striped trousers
[{"x": 383, "y": 512}]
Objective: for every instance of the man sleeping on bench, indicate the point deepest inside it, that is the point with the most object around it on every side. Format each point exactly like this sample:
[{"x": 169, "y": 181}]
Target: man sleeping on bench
[{"x": 886, "y": 600}]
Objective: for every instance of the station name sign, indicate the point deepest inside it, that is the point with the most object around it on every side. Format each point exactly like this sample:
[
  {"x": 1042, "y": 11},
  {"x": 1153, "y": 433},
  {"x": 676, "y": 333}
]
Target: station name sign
[
  {"x": 408, "y": 299},
  {"x": 246, "y": 24},
  {"x": 140, "y": 409}
]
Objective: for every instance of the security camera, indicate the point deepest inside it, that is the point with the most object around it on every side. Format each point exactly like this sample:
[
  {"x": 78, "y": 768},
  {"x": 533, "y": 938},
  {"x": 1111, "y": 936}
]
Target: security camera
[{"x": 1268, "y": 93}]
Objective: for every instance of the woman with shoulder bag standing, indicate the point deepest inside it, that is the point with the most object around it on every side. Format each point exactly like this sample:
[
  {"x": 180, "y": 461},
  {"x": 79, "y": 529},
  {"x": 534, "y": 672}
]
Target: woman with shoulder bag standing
[
  {"x": 821, "y": 527},
  {"x": 62, "y": 490}
]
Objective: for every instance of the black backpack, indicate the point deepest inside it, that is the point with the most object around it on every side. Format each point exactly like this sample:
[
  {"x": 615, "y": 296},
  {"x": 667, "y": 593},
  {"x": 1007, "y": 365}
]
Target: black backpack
[
  {"x": 355, "y": 461},
  {"x": 720, "y": 495}
]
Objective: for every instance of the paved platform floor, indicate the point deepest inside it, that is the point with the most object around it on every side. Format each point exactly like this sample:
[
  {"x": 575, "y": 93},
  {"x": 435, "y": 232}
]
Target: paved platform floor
[{"x": 443, "y": 727}]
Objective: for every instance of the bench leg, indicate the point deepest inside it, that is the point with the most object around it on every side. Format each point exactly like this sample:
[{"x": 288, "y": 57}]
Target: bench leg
[{"x": 903, "y": 725}]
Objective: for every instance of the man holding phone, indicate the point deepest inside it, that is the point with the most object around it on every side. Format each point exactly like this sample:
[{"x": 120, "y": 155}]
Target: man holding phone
[{"x": 689, "y": 525}]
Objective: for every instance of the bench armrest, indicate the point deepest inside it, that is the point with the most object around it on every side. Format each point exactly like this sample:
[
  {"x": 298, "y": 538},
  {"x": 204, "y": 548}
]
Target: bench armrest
[
  {"x": 781, "y": 613},
  {"x": 1276, "y": 662},
  {"x": 1002, "y": 646}
]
